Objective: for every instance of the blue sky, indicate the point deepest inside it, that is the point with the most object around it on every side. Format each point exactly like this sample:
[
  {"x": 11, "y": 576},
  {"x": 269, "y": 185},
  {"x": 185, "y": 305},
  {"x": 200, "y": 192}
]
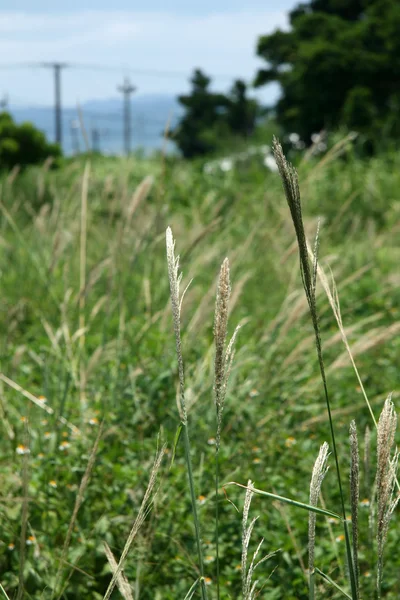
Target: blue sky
[{"x": 138, "y": 38}]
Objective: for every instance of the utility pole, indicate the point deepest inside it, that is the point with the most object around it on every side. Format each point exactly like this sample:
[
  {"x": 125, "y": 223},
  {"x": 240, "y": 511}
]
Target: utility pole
[
  {"x": 4, "y": 102},
  {"x": 127, "y": 89},
  {"x": 57, "y": 67}
]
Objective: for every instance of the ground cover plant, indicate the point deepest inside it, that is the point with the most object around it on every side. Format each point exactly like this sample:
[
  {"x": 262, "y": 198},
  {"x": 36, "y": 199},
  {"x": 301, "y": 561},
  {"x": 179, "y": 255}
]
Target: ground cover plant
[{"x": 89, "y": 376}]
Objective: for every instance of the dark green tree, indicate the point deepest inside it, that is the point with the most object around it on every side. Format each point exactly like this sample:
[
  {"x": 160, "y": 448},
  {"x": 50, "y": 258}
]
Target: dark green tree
[
  {"x": 212, "y": 119},
  {"x": 23, "y": 144},
  {"x": 204, "y": 118},
  {"x": 339, "y": 64},
  {"x": 242, "y": 112}
]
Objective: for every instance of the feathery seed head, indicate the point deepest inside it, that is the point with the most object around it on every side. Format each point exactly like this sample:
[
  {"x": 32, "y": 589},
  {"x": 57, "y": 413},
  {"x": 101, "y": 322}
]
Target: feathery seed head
[
  {"x": 385, "y": 478},
  {"x": 220, "y": 328},
  {"x": 319, "y": 471},
  {"x": 291, "y": 188},
  {"x": 174, "y": 281}
]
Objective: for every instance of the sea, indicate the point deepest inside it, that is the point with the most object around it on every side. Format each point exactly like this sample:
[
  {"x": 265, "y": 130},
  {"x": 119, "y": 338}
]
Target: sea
[{"x": 99, "y": 124}]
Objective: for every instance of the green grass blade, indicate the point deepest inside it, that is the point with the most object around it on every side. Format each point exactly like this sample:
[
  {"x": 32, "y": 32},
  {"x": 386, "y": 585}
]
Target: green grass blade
[
  {"x": 192, "y": 590},
  {"x": 335, "y": 585},
  {"x": 308, "y": 507},
  {"x": 176, "y": 440}
]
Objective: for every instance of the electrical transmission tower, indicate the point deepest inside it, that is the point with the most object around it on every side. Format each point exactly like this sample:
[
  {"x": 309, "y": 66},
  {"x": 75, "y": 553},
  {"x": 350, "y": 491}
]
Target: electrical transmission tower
[
  {"x": 127, "y": 89},
  {"x": 57, "y": 68}
]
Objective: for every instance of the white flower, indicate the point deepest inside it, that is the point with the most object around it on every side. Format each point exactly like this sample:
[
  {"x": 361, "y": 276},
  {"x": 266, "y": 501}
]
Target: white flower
[
  {"x": 209, "y": 168},
  {"x": 294, "y": 138},
  {"x": 315, "y": 138},
  {"x": 21, "y": 449},
  {"x": 270, "y": 163},
  {"x": 226, "y": 164}
]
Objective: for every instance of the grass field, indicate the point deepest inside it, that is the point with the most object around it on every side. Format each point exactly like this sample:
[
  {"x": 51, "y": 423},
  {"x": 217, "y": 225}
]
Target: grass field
[{"x": 86, "y": 338}]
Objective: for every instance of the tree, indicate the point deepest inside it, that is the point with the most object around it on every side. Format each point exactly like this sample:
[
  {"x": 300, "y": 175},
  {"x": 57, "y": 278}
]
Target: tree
[
  {"x": 23, "y": 144},
  {"x": 196, "y": 133},
  {"x": 339, "y": 64},
  {"x": 242, "y": 112},
  {"x": 211, "y": 119}
]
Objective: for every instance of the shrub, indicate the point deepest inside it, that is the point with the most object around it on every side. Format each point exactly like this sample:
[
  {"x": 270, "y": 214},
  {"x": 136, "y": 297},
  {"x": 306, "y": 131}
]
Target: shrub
[{"x": 23, "y": 144}]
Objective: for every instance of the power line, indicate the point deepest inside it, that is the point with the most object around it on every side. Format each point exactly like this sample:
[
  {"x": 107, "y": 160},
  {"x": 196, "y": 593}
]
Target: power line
[{"x": 119, "y": 69}]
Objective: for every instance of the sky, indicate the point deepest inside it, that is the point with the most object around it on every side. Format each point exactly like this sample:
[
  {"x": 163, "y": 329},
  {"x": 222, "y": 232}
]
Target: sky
[{"x": 156, "y": 43}]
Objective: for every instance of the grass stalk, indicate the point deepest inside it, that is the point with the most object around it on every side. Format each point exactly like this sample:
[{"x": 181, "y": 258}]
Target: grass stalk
[
  {"x": 290, "y": 183},
  {"x": 354, "y": 497},
  {"x": 82, "y": 282},
  {"x": 176, "y": 303},
  {"x": 222, "y": 365}
]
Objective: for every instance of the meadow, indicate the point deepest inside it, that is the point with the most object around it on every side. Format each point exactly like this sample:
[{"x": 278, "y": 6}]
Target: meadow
[{"x": 89, "y": 387}]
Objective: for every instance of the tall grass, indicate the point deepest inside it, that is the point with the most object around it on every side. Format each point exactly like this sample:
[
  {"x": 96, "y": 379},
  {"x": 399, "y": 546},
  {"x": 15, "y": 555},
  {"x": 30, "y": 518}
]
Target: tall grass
[{"x": 85, "y": 336}]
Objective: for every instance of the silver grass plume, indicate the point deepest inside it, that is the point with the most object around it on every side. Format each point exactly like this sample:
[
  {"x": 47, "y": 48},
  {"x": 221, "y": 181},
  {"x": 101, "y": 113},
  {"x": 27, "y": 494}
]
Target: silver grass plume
[
  {"x": 319, "y": 471},
  {"x": 249, "y": 587},
  {"x": 223, "y": 358},
  {"x": 291, "y": 188},
  {"x": 385, "y": 479},
  {"x": 174, "y": 281},
  {"x": 354, "y": 497}
]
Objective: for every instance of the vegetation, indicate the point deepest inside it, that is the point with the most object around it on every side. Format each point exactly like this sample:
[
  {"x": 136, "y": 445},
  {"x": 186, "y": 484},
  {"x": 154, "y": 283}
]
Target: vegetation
[
  {"x": 212, "y": 119},
  {"x": 337, "y": 65},
  {"x": 22, "y": 145},
  {"x": 89, "y": 382}
]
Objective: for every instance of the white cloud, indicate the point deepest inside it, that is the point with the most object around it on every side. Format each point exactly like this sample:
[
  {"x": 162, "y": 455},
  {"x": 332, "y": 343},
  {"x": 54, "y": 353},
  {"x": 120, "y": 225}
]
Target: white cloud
[{"x": 220, "y": 43}]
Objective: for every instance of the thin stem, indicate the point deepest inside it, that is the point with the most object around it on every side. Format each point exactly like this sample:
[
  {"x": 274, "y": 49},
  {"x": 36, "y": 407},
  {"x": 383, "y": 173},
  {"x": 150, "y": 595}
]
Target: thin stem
[
  {"x": 328, "y": 407},
  {"x": 194, "y": 508},
  {"x": 217, "y": 515}
]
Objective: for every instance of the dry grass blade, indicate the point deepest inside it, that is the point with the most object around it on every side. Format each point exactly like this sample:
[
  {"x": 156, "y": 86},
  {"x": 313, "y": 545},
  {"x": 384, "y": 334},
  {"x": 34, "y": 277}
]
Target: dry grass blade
[
  {"x": 40, "y": 403},
  {"x": 138, "y": 521},
  {"x": 78, "y": 504},
  {"x": 333, "y": 299},
  {"x": 122, "y": 582},
  {"x": 139, "y": 195}
]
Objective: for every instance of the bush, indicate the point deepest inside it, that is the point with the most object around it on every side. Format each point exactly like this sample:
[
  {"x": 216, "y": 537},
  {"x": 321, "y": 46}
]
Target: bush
[{"x": 23, "y": 144}]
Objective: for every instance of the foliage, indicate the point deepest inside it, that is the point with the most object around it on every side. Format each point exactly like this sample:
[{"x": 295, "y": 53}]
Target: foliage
[
  {"x": 23, "y": 144},
  {"x": 87, "y": 325},
  {"x": 337, "y": 65},
  {"x": 212, "y": 118}
]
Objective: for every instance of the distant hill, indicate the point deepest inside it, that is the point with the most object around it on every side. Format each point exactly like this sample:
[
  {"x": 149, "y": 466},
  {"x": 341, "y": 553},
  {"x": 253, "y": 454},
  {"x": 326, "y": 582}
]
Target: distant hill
[{"x": 150, "y": 114}]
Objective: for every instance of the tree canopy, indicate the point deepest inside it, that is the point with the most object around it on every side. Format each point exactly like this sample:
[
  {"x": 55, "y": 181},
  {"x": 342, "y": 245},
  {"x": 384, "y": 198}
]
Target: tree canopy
[
  {"x": 211, "y": 118},
  {"x": 338, "y": 64},
  {"x": 23, "y": 144}
]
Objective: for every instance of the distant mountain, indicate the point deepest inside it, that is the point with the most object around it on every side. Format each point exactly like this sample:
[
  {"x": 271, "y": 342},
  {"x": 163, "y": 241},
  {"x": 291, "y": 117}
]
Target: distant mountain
[
  {"x": 147, "y": 103},
  {"x": 103, "y": 120}
]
